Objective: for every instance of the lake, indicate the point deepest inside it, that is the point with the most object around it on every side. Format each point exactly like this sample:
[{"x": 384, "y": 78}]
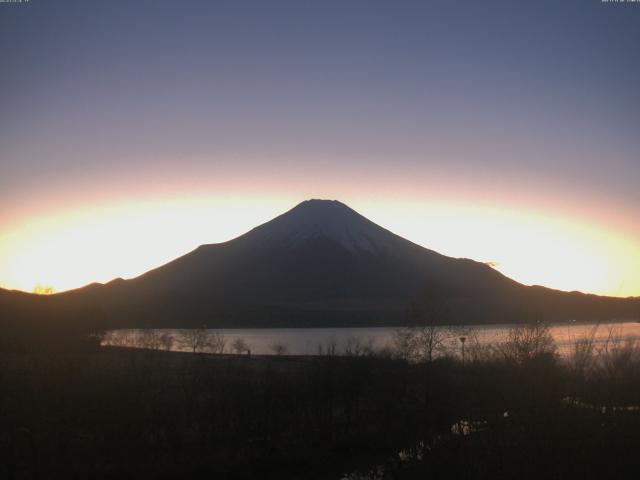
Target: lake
[{"x": 312, "y": 341}]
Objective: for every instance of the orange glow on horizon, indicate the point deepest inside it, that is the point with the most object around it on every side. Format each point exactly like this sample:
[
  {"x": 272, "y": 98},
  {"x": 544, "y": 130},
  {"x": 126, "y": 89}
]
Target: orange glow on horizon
[{"x": 71, "y": 248}]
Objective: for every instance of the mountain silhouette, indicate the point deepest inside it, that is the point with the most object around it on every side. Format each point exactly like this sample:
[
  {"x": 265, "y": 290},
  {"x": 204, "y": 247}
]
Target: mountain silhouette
[{"x": 323, "y": 264}]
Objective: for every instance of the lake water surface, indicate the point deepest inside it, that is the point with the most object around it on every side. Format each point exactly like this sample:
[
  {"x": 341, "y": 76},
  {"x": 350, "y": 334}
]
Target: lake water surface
[{"x": 311, "y": 341}]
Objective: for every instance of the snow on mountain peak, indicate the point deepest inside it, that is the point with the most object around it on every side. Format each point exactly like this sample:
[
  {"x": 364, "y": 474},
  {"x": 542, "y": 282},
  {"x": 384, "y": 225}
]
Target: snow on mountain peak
[{"x": 329, "y": 219}]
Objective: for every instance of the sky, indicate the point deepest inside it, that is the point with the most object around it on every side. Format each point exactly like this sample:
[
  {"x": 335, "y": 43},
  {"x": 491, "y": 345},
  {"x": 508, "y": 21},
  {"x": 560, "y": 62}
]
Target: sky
[{"x": 502, "y": 131}]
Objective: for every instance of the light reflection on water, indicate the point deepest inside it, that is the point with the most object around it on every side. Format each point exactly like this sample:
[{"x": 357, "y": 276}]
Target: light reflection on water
[{"x": 311, "y": 341}]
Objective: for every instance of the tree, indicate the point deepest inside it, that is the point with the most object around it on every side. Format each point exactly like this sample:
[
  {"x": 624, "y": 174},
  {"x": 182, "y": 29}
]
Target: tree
[
  {"x": 239, "y": 346},
  {"x": 279, "y": 348},
  {"x": 166, "y": 341},
  {"x": 528, "y": 342},
  {"x": 420, "y": 344},
  {"x": 329, "y": 347},
  {"x": 428, "y": 312},
  {"x": 195, "y": 339},
  {"x": 357, "y": 347},
  {"x": 217, "y": 342}
]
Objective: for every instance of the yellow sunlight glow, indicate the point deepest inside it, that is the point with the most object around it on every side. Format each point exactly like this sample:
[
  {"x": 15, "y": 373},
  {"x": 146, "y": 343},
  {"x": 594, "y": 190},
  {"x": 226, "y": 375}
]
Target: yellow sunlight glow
[
  {"x": 529, "y": 247},
  {"x": 72, "y": 249}
]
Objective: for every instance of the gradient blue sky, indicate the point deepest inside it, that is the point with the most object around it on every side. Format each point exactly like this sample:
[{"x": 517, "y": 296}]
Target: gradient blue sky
[{"x": 402, "y": 109}]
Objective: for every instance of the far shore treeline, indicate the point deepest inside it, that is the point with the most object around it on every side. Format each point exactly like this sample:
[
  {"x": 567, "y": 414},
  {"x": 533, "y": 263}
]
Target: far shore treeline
[{"x": 72, "y": 321}]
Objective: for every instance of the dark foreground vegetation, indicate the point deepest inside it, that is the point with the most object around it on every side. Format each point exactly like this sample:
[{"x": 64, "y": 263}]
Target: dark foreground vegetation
[{"x": 513, "y": 411}]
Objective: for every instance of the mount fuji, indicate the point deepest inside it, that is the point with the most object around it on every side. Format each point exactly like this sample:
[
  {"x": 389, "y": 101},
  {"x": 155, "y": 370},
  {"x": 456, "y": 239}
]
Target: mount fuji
[{"x": 323, "y": 264}]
